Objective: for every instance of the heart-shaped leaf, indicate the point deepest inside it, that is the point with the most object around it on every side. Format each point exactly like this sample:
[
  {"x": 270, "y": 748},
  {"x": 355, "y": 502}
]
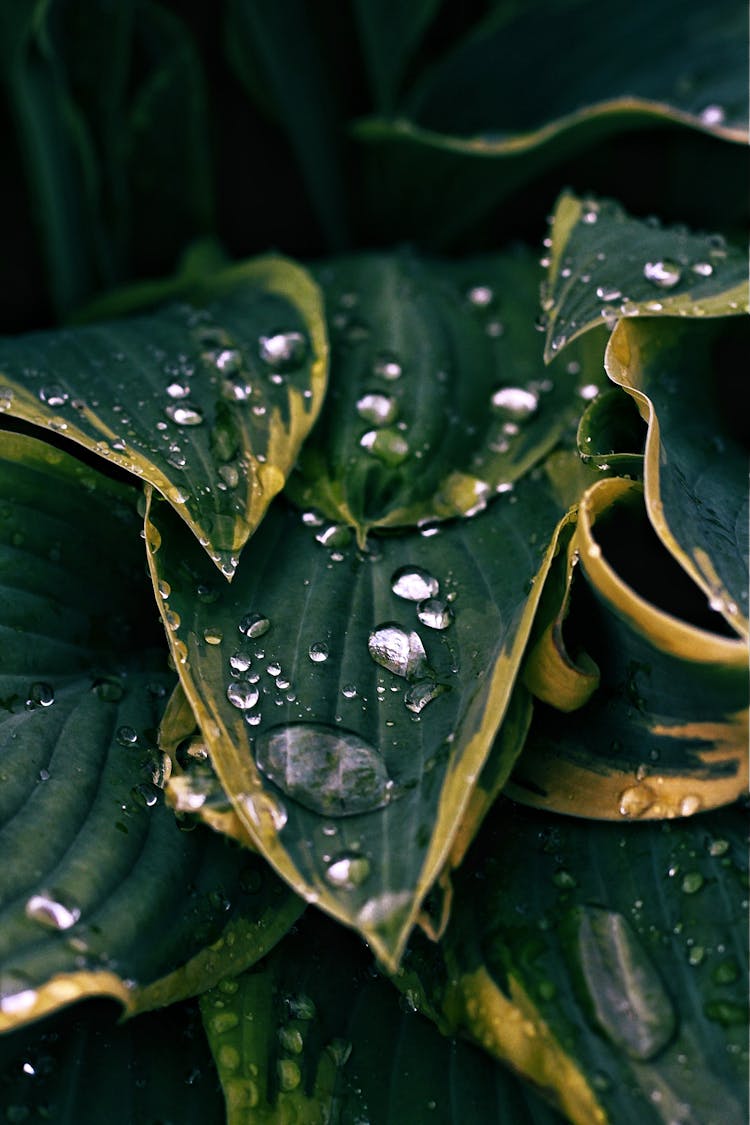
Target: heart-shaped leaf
[
  {"x": 438, "y": 400},
  {"x": 208, "y": 399},
  {"x": 665, "y": 733},
  {"x": 608, "y": 965},
  {"x": 105, "y": 894},
  {"x": 315, "y": 1034},
  {"x": 349, "y": 700},
  {"x": 605, "y": 265},
  {"x": 695, "y": 472}
]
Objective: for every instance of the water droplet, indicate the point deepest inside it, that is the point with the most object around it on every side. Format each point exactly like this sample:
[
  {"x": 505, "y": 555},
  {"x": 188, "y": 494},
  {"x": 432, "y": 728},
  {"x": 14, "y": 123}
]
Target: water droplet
[
  {"x": 480, "y": 296},
  {"x": 608, "y": 293},
  {"x": 254, "y": 625},
  {"x": 301, "y": 1007},
  {"x": 702, "y": 269},
  {"x": 283, "y": 350},
  {"x": 349, "y": 691},
  {"x": 386, "y": 366},
  {"x": 420, "y": 694},
  {"x": 329, "y": 770},
  {"x": 414, "y": 584},
  {"x": 41, "y": 694},
  {"x": 591, "y": 214},
  {"x": 515, "y": 402},
  {"x": 627, "y": 997},
  {"x": 434, "y": 613},
  {"x": 127, "y": 736},
  {"x": 336, "y": 535},
  {"x": 291, "y": 1040},
  {"x": 18, "y": 1003},
  {"x": 6, "y": 398},
  {"x": 400, "y": 652},
  {"x": 48, "y": 911},
  {"x": 242, "y": 694},
  {"x": 239, "y": 662},
  {"x": 378, "y": 409},
  {"x": 183, "y": 415},
  {"x": 228, "y": 360},
  {"x": 588, "y": 391},
  {"x": 690, "y": 804},
  {"x": 636, "y": 800},
  {"x": 230, "y": 475},
  {"x": 389, "y": 446},
  {"x": 718, "y": 847},
  {"x": 318, "y": 652},
  {"x": 348, "y": 871},
  {"x": 53, "y": 396},
  {"x": 713, "y": 115},
  {"x": 692, "y": 882},
  {"x": 213, "y": 635},
  {"x": 178, "y": 390},
  {"x": 666, "y": 274}
]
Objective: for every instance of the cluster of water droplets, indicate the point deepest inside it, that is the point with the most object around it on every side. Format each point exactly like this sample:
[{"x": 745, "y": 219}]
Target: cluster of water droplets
[{"x": 401, "y": 651}]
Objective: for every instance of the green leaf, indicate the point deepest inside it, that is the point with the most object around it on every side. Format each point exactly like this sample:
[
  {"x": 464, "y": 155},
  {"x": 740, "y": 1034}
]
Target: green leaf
[
  {"x": 390, "y": 32},
  {"x": 438, "y": 399},
  {"x": 105, "y": 894},
  {"x": 510, "y": 101},
  {"x": 352, "y": 771},
  {"x": 665, "y": 733},
  {"x": 607, "y": 964},
  {"x": 315, "y": 1035},
  {"x": 81, "y": 1067},
  {"x": 695, "y": 471},
  {"x": 275, "y": 51},
  {"x": 319, "y": 1034},
  {"x": 209, "y": 401},
  {"x": 611, "y": 435},
  {"x": 604, "y": 265}
]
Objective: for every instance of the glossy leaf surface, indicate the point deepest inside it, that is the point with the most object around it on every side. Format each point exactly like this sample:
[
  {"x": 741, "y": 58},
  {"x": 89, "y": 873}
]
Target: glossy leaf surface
[
  {"x": 348, "y": 722},
  {"x": 207, "y": 399},
  {"x": 605, "y": 265},
  {"x": 105, "y": 894}
]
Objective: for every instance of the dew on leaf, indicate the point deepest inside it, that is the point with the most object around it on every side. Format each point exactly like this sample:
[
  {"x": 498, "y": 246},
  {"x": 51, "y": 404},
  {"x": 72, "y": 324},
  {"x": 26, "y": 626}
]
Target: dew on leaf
[
  {"x": 378, "y": 409},
  {"x": 242, "y": 694},
  {"x": 178, "y": 390},
  {"x": 420, "y": 694},
  {"x": 183, "y": 415},
  {"x": 664, "y": 273},
  {"x": 435, "y": 613},
  {"x": 50, "y": 912},
  {"x": 283, "y": 350},
  {"x": 702, "y": 269},
  {"x": 399, "y": 652},
  {"x": 514, "y": 402},
  {"x": 480, "y": 296},
  {"x": 41, "y": 694},
  {"x": 239, "y": 662},
  {"x": 713, "y": 115},
  {"x": 318, "y": 652},
  {"x": 329, "y": 770},
  {"x": 414, "y": 584},
  {"x": 388, "y": 445},
  {"x": 53, "y": 395},
  {"x": 254, "y": 625},
  {"x": 348, "y": 871},
  {"x": 608, "y": 293},
  {"x": 387, "y": 366}
]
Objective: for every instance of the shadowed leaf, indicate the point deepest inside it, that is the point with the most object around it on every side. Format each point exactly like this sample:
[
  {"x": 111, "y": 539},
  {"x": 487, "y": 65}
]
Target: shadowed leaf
[{"x": 209, "y": 401}]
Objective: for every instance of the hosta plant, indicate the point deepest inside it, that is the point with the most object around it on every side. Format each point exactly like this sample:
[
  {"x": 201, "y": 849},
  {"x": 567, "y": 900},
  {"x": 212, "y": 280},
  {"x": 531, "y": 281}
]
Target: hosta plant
[{"x": 373, "y": 563}]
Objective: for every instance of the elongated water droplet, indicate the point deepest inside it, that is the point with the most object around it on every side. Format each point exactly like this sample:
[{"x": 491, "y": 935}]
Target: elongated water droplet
[
  {"x": 53, "y": 396},
  {"x": 329, "y": 770},
  {"x": 664, "y": 273},
  {"x": 212, "y": 635},
  {"x": 336, "y": 535},
  {"x": 702, "y": 269},
  {"x": 515, "y": 402},
  {"x": 435, "y": 613},
  {"x": 420, "y": 694},
  {"x": 608, "y": 293},
  {"x": 626, "y": 994},
  {"x": 400, "y": 652},
  {"x": 242, "y": 694},
  {"x": 183, "y": 415},
  {"x": 48, "y": 911},
  {"x": 378, "y": 409},
  {"x": 283, "y": 350},
  {"x": 254, "y": 625},
  {"x": 414, "y": 584},
  {"x": 348, "y": 871}
]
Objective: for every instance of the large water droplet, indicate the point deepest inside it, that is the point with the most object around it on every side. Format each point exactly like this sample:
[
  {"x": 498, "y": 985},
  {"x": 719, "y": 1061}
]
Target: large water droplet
[
  {"x": 664, "y": 273},
  {"x": 242, "y": 694},
  {"x": 329, "y": 770},
  {"x": 283, "y": 350},
  {"x": 183, "y": 415},
  {"x": 636, "y": 800},
  {"x": 348, "y": 871},
  {"x": 414, "y": 584},
  {"x": 515, "y": 402},
  {"x": 53, "y": 395},
  {"x": 50, "y": 912},
  {"x": 378, "y": 409},
  {"x": 254, "y": 625},
  {"x": 626, "y": 994},
  {"x": 420, "y": 694},
  {"x": 435, "y": 613},
  {"x": 400, "y": 652}
]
